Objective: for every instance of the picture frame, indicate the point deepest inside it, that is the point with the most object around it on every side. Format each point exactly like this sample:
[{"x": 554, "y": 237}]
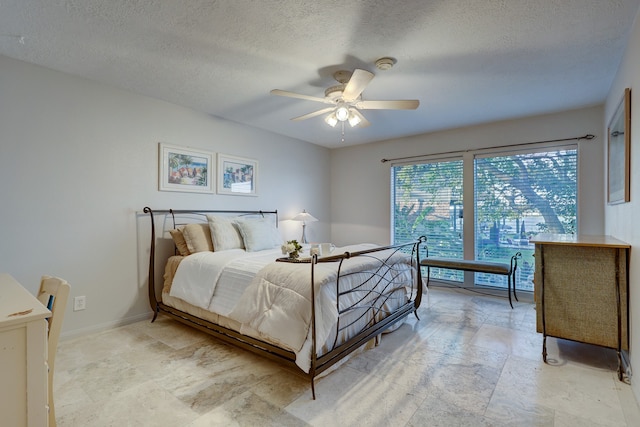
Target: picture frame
[
  {"x": 237, "y": 175},
  {"x": 185, "y": 169},
  {"x": 618, "y": 152}
]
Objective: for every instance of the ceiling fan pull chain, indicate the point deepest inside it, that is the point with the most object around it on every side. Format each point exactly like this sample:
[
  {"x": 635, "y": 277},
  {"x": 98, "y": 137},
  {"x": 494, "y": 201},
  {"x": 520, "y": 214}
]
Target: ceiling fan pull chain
[{"x": 342, "y": 139}]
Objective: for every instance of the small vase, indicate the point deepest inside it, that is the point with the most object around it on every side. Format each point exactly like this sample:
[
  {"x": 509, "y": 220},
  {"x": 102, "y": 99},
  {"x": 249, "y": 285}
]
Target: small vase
[{"x": 294, "y": 255}]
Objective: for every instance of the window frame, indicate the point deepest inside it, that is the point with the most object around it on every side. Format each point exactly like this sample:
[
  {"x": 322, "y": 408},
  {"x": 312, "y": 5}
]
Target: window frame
[{"x": 468, "y": 189}]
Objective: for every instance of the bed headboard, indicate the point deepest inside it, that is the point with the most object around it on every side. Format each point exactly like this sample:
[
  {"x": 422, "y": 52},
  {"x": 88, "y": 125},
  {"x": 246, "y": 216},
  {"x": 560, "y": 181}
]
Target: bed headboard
[{"x": 162, "y": 246}]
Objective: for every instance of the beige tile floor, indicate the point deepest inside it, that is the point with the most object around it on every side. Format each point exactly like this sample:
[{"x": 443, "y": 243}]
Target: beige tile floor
[{"x": 469, "y": 361}]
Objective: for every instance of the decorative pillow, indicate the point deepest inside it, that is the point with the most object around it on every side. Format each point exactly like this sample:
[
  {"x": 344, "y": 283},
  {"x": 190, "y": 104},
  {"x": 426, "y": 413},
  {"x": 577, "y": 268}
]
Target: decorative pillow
[
  {"x": 197, "y": 237},
  {"x": 178, "y": 239},
  {"x": 224, "y": 233},
  {"x": 258, "y": 234}
]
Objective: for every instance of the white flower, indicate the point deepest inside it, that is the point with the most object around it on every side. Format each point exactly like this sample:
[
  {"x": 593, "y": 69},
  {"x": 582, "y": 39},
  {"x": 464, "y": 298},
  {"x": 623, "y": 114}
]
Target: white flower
[{"x": 287, "y": 248}]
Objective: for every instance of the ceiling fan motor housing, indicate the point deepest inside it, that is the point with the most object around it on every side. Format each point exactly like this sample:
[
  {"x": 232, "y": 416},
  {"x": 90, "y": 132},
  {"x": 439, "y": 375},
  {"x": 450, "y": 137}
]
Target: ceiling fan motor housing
[
  {"x": 334, "y": 92},
  {"x": 342, "y": 76}
]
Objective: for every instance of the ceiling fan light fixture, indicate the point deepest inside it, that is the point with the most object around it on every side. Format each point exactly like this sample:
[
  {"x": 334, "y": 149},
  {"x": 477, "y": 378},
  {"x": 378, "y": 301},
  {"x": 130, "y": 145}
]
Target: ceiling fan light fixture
[
  {"x": 331, "y": 120},
  {"x": 354, "y": 120},
  {"x": 345, "y": 100},
  {"x": 342, "y": 113}
]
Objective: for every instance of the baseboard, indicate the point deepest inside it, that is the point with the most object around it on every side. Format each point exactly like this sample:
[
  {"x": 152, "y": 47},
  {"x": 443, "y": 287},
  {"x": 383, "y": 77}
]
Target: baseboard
[
  {"x": 523, "y": 296},
  {"x": 104, "y": 326}
]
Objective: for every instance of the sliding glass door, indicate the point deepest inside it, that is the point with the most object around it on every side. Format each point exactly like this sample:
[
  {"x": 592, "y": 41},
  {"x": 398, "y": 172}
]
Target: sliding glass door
[
  {"x": 427, "y": 201},
  {"x": 516, "y": 195}
]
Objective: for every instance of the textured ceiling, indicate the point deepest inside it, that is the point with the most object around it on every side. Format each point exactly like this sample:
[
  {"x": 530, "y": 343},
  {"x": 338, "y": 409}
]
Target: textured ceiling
[{"x": 468, "y": 62}]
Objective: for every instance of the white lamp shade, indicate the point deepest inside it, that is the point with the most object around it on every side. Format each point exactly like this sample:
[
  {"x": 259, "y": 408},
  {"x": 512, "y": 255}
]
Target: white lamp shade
[
  {"x": 354, "y": 120},
  {"x": 342, "y": 113},
  {"x": 304, "y": 216},
  {"x": 331, "y": 120}
]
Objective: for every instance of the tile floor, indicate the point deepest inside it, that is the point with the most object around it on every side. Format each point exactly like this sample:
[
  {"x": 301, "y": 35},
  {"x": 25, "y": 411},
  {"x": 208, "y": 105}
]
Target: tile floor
[{"x": 469, "y": 361}]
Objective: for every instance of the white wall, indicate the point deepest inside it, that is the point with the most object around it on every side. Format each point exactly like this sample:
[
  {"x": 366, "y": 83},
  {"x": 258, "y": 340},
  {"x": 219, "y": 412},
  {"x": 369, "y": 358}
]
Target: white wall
[
  {"x": 80, "y": 159},
  {"x": 621, "y": 220},
  {"x": 360, "y": 187}
]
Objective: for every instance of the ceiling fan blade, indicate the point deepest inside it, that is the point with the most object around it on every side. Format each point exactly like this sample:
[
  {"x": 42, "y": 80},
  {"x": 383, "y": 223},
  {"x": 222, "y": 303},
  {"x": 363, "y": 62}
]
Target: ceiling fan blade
[
  {"x": 314, "y": 114},
  {"x": 363, "y": 121},
  {"x": 358, "y": 81},
  {"x": 300, "y": 96},
  {"x": 406, "y": 104}
]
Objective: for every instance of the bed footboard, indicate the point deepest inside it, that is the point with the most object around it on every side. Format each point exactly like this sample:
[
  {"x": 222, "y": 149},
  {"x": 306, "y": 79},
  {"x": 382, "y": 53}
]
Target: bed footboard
[{"x": 381, "y": 297}]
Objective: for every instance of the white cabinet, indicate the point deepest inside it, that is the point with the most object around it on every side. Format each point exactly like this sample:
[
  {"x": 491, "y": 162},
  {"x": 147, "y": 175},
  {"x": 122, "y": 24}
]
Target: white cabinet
[{"x": 23, "y": 356}]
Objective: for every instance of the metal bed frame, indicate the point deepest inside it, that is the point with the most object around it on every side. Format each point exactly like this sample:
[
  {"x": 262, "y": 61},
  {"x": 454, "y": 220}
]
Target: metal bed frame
[{"x": 370, "y": 304}]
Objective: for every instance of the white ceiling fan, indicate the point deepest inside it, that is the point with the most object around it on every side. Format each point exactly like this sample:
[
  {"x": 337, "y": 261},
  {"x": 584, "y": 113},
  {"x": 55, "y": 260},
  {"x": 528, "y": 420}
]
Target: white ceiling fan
[{"x": 346, "y": 100}]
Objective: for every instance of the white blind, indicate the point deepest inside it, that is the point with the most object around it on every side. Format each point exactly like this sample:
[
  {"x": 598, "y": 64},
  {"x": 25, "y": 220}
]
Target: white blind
[
  {"x": 427, "y": 201},
  {"x": 518, "y": 196}
]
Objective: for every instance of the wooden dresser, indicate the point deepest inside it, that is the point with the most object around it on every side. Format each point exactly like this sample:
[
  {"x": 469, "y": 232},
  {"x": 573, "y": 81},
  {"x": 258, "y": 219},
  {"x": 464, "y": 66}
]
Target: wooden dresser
[
  {"x": 23, "y": 356},
  {"x": 581, "y": 290}
]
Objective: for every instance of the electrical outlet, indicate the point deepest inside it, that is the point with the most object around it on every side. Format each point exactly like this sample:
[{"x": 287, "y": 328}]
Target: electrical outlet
[{"x": 79, "y": 303}]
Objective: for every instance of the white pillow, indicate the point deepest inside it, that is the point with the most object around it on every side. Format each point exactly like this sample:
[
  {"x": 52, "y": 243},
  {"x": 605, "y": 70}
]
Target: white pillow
[
  {"x": 258, "y": 234},
  {"x": 224, "y": 233}
]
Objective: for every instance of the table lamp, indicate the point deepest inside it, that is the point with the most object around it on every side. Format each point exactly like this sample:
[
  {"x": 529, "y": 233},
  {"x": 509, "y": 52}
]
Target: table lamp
[{"x": 305, "y": 217}]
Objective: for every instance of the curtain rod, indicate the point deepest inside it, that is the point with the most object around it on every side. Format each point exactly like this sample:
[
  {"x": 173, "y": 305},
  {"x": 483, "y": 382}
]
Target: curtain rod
[{"x": 577, "y": 138}]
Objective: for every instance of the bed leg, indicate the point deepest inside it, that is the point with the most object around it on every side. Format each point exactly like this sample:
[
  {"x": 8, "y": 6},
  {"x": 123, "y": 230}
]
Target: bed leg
[
  {"x": 155, "y": 315},
  {"x": 415, "y": 312},
  {"x": 514, "y": 268},
  {"x": 313, "y": 389}
]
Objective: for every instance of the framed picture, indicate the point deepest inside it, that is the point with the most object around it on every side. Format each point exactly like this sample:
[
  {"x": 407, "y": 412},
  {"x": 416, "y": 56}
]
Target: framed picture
[
  {"x": 237, "y": 175},
  {"x": 185, "y": 169},
  {"x": 619, "y": 146}
]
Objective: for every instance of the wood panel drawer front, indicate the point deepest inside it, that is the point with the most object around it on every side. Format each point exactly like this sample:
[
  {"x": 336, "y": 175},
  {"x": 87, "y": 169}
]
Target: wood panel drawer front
[
  {"x": 13, "y": 371},
  {"x": 23, "y": 356}
]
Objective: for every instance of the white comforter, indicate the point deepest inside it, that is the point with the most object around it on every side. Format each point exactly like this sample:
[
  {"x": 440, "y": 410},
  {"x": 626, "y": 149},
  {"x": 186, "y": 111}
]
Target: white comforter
[
  {"x": 198, "y": 276},
  {"x": 271, "y": 298}
]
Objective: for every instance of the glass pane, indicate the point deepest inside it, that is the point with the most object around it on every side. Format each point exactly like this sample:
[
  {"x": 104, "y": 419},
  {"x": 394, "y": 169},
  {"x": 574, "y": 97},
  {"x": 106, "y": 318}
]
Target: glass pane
[
  {"x": 517, "y": 197},
  {"x": 427, "y": 201}
]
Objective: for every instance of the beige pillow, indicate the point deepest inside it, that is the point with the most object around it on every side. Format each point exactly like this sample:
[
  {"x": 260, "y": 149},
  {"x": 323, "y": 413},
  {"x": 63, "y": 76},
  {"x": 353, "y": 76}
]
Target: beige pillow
[
  {"x": 178, "y": 239},
  {"x": 197, "y": 237},
  {"x": 224, "y": 233}
]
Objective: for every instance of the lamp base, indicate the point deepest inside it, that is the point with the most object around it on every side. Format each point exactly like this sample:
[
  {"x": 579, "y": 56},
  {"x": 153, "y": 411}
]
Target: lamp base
[{"x": 303, "y": 239}]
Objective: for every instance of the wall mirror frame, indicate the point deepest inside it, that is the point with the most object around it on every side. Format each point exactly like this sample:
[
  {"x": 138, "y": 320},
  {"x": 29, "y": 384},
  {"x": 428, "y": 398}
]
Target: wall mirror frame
[{"x": 618, "y": 152}]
